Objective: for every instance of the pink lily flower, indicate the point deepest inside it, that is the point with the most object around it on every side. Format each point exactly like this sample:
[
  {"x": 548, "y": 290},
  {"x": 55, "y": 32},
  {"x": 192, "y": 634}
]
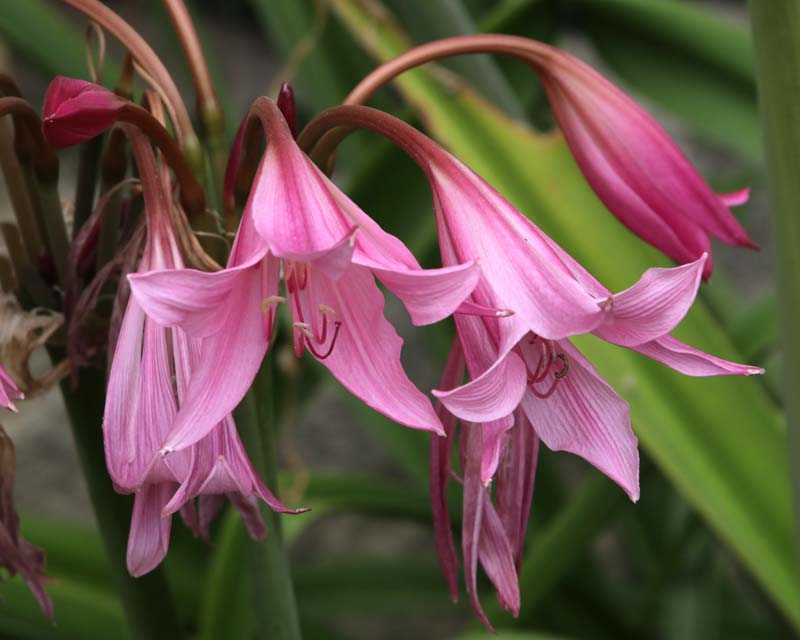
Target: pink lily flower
[
  {"x": 141, "y": 404},
  {"x": 527, "y": 357},
  {"x": 633, "y": 165},
  {"x": 514, "y": 332},
  {"x": 299, "y": 227},
  {"x": 9, "y": 391}
]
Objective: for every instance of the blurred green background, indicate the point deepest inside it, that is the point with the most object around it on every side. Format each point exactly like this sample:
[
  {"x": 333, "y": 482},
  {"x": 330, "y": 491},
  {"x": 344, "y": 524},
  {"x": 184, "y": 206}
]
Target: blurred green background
[{"x": 708, "y": 552}]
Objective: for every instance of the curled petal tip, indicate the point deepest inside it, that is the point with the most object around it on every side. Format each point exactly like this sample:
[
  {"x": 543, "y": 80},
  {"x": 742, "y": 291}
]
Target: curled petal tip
[{"x": 754, "y": 371}]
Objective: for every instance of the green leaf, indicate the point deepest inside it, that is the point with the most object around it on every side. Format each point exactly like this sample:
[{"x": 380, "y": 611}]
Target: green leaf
[
  {"x": 26, "y": 25},
  {"x": 226, "y": 610},
  {"x": 82, "y": 613},
  {"x": 354, "y": 585},
  {"x": 690, "y": 61},
  {"x": 720, "y": 441}
]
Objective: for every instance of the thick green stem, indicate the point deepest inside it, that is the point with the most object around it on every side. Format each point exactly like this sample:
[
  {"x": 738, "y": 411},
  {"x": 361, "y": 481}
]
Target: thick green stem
[
  {"x": 146, "y": 601},
  {"x": 776, "y": 35},
  {"x": 272, "y": 590}
]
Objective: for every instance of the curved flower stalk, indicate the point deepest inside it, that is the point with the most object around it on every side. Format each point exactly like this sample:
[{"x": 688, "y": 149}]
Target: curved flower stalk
[
  {"x": 75, "y": 111},
  {"x": 297, "y": 226},
  {"x": 530, "y": 299},
  {"x": 628, "y": 159},
  {"x": 147, "y": 384}
]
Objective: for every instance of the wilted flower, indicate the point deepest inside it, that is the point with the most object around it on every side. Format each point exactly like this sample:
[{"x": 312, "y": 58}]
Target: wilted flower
[
  {"x": 17, "y": 555},
  {"x": 298, "y": 225}
]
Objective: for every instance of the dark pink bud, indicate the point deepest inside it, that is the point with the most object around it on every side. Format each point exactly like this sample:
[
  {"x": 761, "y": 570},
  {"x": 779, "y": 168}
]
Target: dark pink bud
[{"x": 75, "y": 111}]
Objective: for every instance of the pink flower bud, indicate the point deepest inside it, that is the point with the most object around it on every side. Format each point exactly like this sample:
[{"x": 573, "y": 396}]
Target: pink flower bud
[{"x": 75, "y": 111}]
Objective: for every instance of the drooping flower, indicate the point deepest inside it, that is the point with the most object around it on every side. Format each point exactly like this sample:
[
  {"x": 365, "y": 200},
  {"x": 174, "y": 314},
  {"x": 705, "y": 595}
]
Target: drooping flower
[
  {"x": 17, "y": 555},
  {"x": 527, "y": 357},
  {"x": 633, "y": 165},
  {"x": 526, "y": 360},
  {"x": 9, "y": 391},
  {"x": 514, "y": 332},
  {"x": 147, "y": 385},
  {"x": 298, "y": 226}
]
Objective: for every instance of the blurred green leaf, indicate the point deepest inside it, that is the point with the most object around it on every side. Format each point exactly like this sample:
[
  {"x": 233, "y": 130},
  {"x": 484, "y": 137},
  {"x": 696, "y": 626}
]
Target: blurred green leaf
[
  {"x": 351, "y": 585},
  {"x": 225, "y": 610},
  {"x": 720, "y": 440},
  {"x": 24, "y": 23},
  {"x": 507, "y": 634},
  {"x": 690, "y": 61},
  {"x": 82, "y": 613}
]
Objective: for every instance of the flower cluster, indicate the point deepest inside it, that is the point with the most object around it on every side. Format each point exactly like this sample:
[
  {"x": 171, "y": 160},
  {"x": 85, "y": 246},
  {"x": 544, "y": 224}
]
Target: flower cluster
[{"x": 192, "y": 341}]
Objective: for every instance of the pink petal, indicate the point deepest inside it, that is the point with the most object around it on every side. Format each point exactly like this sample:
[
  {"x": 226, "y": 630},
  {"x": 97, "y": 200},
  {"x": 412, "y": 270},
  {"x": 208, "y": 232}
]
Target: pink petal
[
  {"x": 497, "y": 559},
  {"x": 586, "y": 417},
  {"x": 230, "y": 359},
  {"x": 365, "y": 356},
  {"x": 429, "y": 295},
  {"x": 492, "y": 396},
  {"x": 8, "y": 391},
  {"x": 735, "y": 198},
  {"x": 515, "y": 482},
  {"x": 472, "y": 520},
  {"x": 292, "y": 208},
  {"x": 630, "y": 201},
  {"x": 637, "y": 148},
  {"x": 196, "y": 301},
  {"x": 139, "y": 399},
  {"x": 149, "y": 537},
  {"x": 495, "y": 437},
  {"x": 520, "y": 270},
  {"x": 653, "y": 306},
  {"x": 690, "y": 361},
  {"x": 440, "y": 454}
]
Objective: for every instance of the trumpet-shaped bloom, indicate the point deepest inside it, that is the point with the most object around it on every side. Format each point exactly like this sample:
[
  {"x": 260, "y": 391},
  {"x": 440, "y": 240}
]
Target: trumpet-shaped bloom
[
  {"x": 527, "y": 357},
  {"x": 523, "y": 369},
  {"x": 299, "y": 227},
  {"x": 9, "y": 391},
  {"x": 147, "y": 385},
  {"x": 634, "y": 166}
]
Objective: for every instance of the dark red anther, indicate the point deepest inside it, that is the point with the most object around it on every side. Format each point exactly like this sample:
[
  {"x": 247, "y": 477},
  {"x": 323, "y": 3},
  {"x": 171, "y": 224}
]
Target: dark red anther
[{"x": 287, "y": 106}]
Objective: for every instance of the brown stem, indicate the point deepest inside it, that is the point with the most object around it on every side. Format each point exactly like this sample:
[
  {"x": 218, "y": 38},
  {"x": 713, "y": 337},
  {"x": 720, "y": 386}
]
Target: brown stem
[
  {"x": 529, "y": 51},
  {"x": 148, "y": 60},
  {"x": 192, "y": 195},
  {"x": 184, "y": 27},
  {"x": 245, "y": 154},
  {"x": 325, "y": 132},
  {"x": 27, "y": 124}
]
